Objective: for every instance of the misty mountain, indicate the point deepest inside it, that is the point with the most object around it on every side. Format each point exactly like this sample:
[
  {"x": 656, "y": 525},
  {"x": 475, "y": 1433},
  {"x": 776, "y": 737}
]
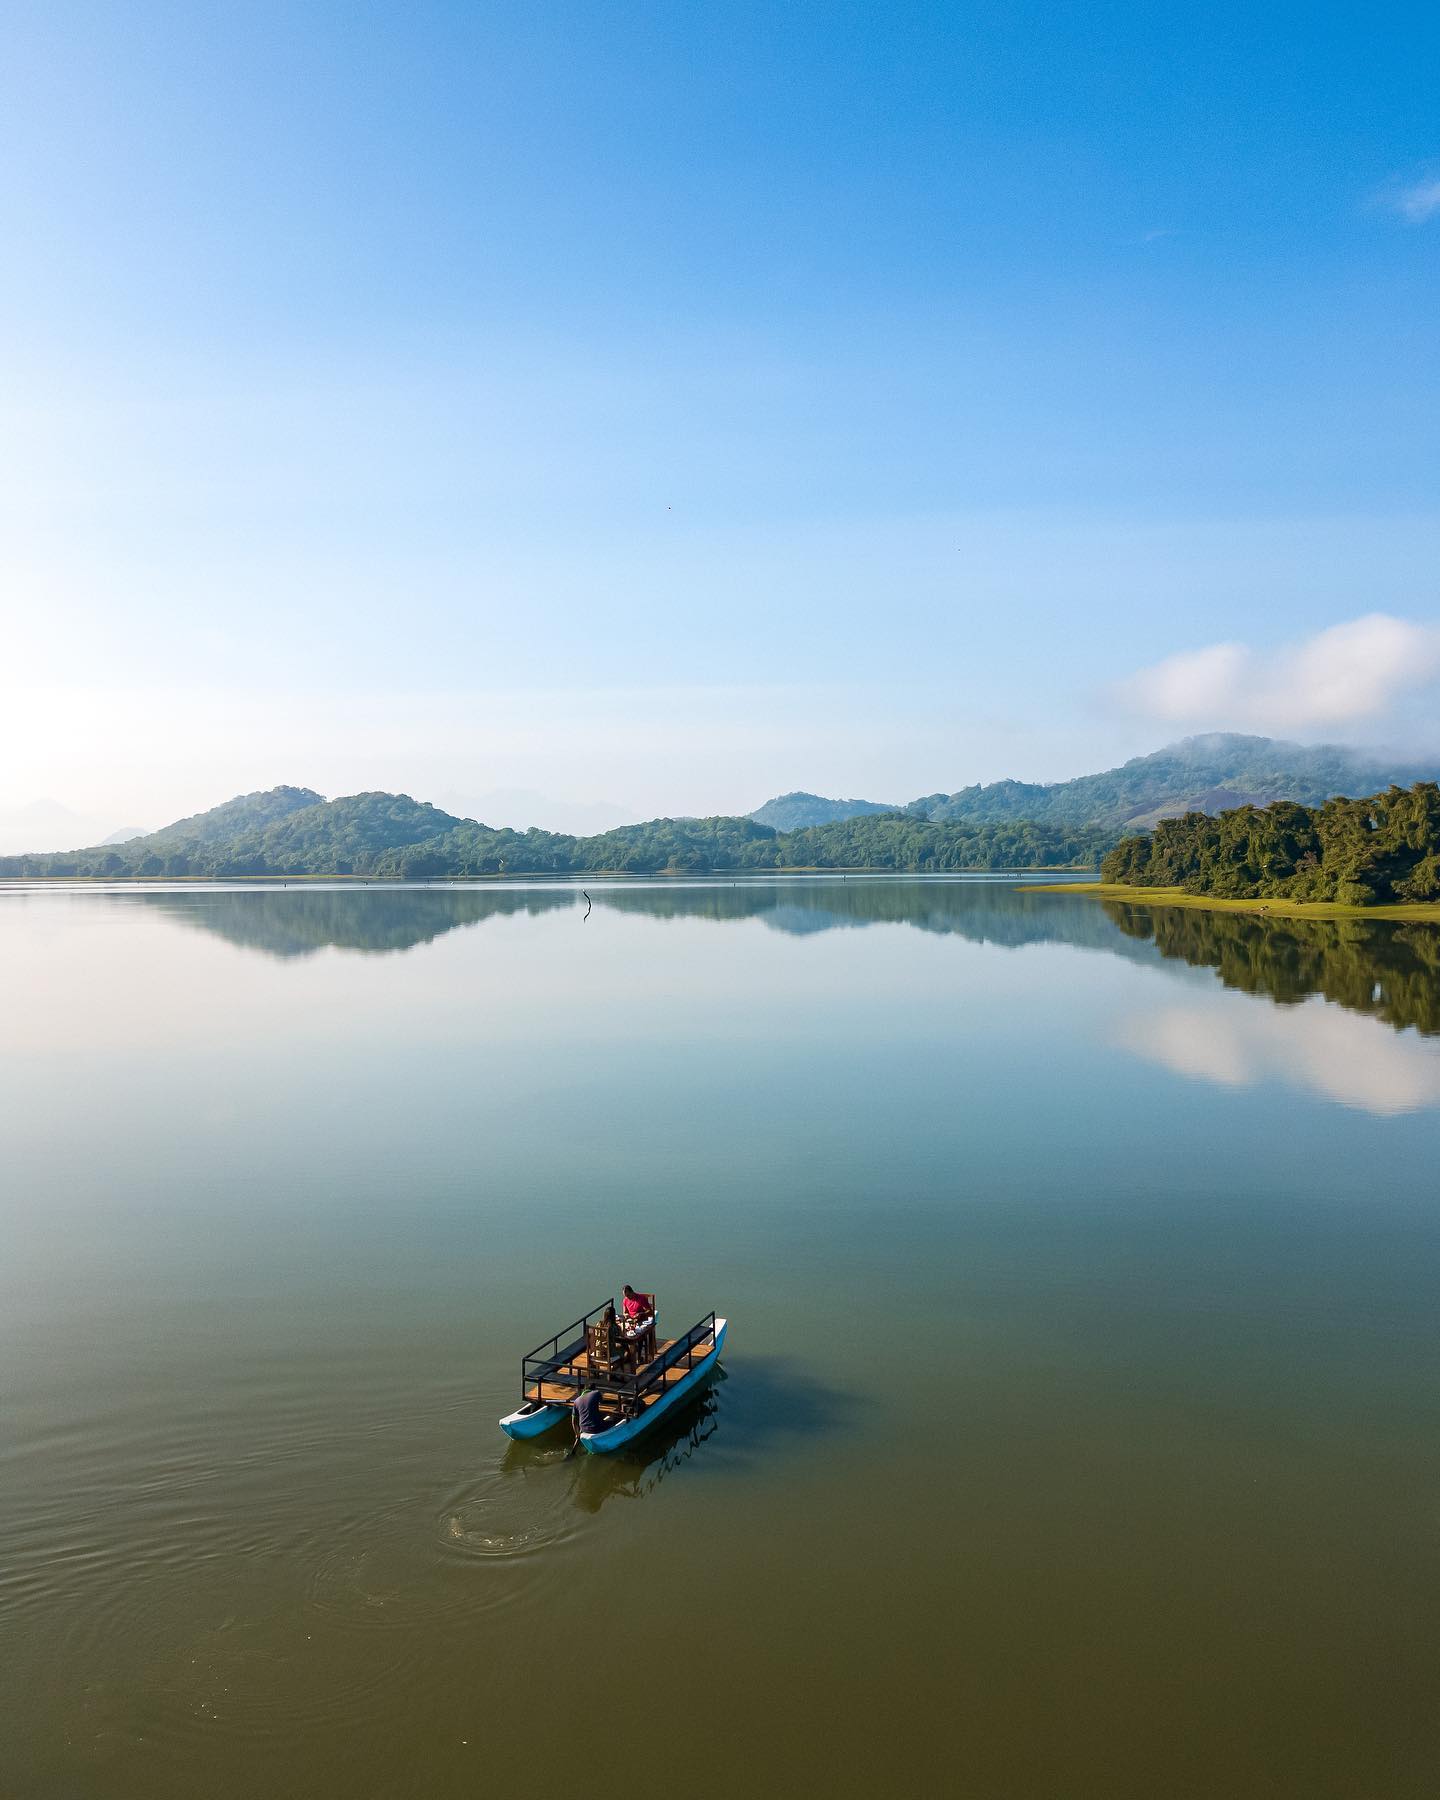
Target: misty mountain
[
  {"x": 47, "y": 825},
  {"x": 1199, "y": 774},
  {"x": 789, "y": 812}
]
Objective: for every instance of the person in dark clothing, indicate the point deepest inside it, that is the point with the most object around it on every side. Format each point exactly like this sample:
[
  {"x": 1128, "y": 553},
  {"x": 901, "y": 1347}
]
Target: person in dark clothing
[
  {"x": 614, "y": 1341},
  {"x": 585, "y": 1415}
]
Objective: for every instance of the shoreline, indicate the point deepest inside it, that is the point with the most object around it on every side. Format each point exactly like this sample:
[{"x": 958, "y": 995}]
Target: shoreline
[
  {"x": 1083, "y": 877},
  {"x": 1422, "y": 910}
]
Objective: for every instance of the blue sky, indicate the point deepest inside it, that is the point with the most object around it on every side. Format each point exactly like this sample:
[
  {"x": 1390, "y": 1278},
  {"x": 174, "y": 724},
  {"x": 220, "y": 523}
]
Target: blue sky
[{"x": 663, "y": 405}]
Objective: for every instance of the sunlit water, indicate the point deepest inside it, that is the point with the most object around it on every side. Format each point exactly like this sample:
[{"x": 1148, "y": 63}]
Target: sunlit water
[{"x": 1078, "y": 1432}]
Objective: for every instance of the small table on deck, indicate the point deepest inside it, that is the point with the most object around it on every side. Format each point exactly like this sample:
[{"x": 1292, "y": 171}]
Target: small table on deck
[{"x": 640, "y": 1342}]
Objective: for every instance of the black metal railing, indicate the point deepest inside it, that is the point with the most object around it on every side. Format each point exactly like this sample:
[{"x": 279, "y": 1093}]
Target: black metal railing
[
  {"x": 546, "y": 1360},
  {"x": 549, "y": 1362},
  {"x": 633, "y": 1387}
]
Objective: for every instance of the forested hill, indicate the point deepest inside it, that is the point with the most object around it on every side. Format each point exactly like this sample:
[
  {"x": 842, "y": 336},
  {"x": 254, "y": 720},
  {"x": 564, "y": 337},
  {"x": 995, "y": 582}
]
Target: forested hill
[
  {"x": 289, "y": 831},
  {"x": 1204, "y": 774},
  {"x": 1199, "y": 774},
  {"x": 789, "y": 812},
  {"x": 1007, "y": 824},
  {"x": 1380, "y": 850}
]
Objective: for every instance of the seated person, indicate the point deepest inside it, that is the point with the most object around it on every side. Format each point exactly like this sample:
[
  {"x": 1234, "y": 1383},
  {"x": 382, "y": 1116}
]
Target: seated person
[
  {"x": 637, "y": 1313},
  {"x": 608, "y": 1329},
  {"x": 639, "y": 1308}
]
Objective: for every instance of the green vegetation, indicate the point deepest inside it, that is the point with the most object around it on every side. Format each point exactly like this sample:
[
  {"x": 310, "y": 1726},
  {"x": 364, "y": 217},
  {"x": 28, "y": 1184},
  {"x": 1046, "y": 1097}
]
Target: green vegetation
[
  {"x": 1199, "y": 774},
  {"x": 293, "y": 832},
  {"x": 1380, "y": 851},
  {"x": 1202, "y": 774},
  {"x": 290, "y": 833},
  {"x": 1415, "y": 910},
  {"x": 789, "y": 812}
]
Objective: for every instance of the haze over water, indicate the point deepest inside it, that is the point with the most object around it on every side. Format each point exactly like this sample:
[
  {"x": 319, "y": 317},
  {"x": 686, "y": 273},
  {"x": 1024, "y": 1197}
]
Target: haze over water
[{"x": 1078, "y": 1427}]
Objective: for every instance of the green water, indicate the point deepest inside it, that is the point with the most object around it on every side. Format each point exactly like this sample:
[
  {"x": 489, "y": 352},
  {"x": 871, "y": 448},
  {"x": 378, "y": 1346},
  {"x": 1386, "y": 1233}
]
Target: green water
[{"x": 1078, "y": 1433}]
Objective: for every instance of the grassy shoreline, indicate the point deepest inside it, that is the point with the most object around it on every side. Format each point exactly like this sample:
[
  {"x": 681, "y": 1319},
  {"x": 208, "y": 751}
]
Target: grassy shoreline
[{"x": 1276, "y": 909}]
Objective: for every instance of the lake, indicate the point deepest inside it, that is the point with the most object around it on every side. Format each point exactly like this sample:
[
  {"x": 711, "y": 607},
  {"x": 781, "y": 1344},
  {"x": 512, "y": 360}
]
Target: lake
[{"x": 1078, "y": 1427}]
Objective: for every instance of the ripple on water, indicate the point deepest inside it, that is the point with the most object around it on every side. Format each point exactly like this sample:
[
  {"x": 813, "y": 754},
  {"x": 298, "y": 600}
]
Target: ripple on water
[
  {"x": 512, "y": 1512},
  {"x": 480, "y": 1550}
]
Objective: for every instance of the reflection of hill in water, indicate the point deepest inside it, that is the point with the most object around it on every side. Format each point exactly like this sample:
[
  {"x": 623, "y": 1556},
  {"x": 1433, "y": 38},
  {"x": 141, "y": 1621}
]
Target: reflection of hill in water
[
  {"x": 299, "y": 921},
  {"x": 986, "y": 912},
  {"x": 1386, "y": 969}
]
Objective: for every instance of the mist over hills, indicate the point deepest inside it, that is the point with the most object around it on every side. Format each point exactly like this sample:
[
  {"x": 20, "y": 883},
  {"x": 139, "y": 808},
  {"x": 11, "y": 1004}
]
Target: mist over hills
[
  {"x": 1003, "y": 825},
  {"x": 1199, "y": 774}
]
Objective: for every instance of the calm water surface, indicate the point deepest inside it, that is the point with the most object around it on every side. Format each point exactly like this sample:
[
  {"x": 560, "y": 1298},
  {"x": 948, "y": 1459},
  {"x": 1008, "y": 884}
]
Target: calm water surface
[{"x": 1078, "y": 1434}]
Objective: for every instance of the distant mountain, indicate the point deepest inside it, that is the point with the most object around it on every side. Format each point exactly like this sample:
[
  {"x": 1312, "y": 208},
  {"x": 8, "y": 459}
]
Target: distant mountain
[
  {"x": 47, "y": 825},
  {"x": 289, "y": 831},
  {"x": 285, "y": 831},
  {"x": 1200, "y": 774},
  {"x": 790, "y": 812},
  {"x": 1005, "y": 825},
  {"x": 125, "y": 835}
]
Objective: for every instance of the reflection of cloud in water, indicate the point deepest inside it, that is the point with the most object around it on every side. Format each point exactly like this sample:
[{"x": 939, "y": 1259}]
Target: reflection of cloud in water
[{"x": 1314, "y": 1047}]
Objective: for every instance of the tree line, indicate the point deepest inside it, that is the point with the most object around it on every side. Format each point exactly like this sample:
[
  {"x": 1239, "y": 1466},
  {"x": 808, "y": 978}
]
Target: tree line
[
  {"x": 1375, "y": 851},
  {"x": 390, "y": 836}
]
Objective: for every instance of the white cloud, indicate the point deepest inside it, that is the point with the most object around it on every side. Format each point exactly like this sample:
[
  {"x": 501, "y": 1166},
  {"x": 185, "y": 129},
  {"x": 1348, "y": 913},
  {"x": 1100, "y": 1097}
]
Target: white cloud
[
  {"x": 1419, "y": 201},
  {"x": 1347, "y": 673},
  {"x": 1316, "y": 1048}
]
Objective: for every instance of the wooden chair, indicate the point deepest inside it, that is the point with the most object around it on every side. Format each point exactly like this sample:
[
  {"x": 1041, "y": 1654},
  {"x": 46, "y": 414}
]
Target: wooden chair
[{"x": 604, "y": 1347}]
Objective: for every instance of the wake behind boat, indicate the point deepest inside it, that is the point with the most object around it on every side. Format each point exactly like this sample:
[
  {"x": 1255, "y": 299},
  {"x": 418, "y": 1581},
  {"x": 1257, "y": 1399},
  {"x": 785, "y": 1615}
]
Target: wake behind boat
[{"x": 612, "y": 1386}]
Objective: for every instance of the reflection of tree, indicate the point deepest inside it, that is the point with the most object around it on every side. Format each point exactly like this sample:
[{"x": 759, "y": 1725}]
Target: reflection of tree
[
  {"x": 297, "y": 921},
  {"x": 1386, "y": 969},
  {"x": 988, "y": 912}
]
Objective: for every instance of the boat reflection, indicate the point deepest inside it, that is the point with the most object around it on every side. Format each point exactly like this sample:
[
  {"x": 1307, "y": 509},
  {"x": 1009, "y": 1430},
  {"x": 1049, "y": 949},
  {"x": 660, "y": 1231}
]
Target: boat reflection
[
  {"x": 633, "y": 1472},
  {"x": 636, "y": 1472},
  {"x": 767, "y": 1404}
]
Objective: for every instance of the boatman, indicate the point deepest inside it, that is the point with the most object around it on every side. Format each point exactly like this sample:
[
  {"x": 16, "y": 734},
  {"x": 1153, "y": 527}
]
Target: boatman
[{"x": 585, "y": 1414}]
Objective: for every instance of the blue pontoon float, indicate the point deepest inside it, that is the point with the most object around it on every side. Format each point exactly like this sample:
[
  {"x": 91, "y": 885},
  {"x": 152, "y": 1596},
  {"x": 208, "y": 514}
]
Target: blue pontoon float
[{"x": 635, "y": 1382}]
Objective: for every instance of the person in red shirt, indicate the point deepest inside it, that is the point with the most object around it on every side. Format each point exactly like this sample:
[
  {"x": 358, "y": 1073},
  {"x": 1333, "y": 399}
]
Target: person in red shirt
[{"x": 637, "y": 1306}]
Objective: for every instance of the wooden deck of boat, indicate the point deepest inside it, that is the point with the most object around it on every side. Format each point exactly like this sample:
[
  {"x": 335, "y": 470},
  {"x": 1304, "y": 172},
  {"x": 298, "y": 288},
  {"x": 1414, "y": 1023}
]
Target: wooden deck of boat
[{"x": 573, "y": 1372}]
